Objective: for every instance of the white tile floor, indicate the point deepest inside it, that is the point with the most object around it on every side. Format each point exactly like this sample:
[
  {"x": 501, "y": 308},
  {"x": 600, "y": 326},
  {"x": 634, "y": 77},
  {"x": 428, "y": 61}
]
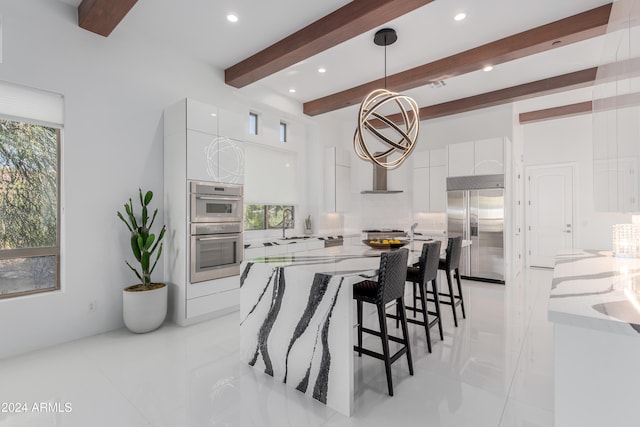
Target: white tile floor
[{"x": 495, "y": 369}]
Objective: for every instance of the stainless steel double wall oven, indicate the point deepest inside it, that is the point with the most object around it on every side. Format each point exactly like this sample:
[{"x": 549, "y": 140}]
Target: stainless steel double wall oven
[{"x": 216, "y": 230}]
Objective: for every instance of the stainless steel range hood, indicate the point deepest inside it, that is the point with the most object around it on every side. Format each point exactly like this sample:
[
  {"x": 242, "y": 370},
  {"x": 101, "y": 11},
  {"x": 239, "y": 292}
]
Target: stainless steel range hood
[{"x": 380, "y": 181}]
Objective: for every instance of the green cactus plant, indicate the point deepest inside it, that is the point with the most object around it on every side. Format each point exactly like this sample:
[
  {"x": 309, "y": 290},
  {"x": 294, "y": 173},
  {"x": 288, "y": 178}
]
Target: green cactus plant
[{"x": 143, "y": 242}]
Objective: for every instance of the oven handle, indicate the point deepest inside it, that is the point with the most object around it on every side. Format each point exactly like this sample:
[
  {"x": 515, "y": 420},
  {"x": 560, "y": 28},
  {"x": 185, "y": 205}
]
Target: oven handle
[
  {"x": 216, "y": 238},
  {"x": 217, "y": 198}
]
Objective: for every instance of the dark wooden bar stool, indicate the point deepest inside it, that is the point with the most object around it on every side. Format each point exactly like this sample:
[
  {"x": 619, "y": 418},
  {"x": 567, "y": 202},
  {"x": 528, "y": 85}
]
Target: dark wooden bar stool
[
  {"x": 420, "y": 274},
  {"x": 389, "y": 287},
  {"x": 450, "y": 265}
]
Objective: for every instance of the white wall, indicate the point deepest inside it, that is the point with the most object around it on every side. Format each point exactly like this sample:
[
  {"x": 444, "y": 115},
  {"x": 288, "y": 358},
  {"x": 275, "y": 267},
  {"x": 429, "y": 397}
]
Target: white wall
[{"x": 115, "y": 92}]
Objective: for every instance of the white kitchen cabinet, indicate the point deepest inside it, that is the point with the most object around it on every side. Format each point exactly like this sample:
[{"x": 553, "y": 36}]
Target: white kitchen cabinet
[
  {"x": 214, "y": 158},
  {"x": 420, "y": 159},
  {"x": 481, "y": 157},
  {"x": 461, "y": 159},
  {"x": 231, "y": 157},
  {"x": 337, "y": 180},
  {"x": 201, "y": 117},
  {"x": 438, "y": 188},
  {"x": 429, "y": 181},
  {"x": 421, "y": 189},
  {"x": 489, "y": 156},
  {"x": 202, "y": 156},
  {"x": 193, "y": 150},
  {"x": 438, "y": 157}
]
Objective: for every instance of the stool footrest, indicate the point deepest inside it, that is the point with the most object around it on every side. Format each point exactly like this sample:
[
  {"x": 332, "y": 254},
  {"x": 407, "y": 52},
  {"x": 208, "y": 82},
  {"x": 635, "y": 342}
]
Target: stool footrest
[{"x": 380, "y": 356}]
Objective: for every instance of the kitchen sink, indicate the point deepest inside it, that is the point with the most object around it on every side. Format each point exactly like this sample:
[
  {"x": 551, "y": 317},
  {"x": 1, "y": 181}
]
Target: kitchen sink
[{"x": 295, "y": 238}]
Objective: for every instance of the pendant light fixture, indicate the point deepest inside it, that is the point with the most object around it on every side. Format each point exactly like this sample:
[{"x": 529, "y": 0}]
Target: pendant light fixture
[{"x": 395, "y": 140}]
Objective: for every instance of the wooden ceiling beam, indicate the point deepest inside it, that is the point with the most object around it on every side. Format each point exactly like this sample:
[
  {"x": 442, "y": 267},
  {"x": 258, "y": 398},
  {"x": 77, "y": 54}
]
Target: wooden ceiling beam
[
  {"x": 349, "y": 21},
  {"x": 556, "y": 112},
  {"x": 548, "y": 86},
  {"x": 102, "y": 16},
  {"x": 575, "y": 28}
]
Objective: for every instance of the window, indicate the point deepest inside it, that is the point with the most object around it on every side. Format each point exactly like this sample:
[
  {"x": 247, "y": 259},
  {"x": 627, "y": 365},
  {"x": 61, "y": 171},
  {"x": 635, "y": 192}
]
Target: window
[
  {"x": 266, "y": 217},
  {"x": 283, "y": 132},
  {"x": 29, "y": 208},
  {"x": 253, "y": 123},
  {"x": 30, "y": 140}
]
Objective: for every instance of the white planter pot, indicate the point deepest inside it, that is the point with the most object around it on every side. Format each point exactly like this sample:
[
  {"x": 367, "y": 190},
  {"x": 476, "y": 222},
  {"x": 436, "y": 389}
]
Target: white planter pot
[{"x": 144, "y": 311}]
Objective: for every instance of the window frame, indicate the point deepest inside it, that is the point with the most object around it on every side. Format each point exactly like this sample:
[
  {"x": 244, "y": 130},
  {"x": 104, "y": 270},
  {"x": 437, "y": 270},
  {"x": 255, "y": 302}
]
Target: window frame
[
  {"x": 48, "y": 250},
  {"x": 265, "y": 215},
  {"x": 283, "y": 131},
  {"x": 253, "y": 114}
]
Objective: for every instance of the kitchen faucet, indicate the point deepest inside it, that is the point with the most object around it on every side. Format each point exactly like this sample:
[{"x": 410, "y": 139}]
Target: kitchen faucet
[{"x": 284, "y": 219}]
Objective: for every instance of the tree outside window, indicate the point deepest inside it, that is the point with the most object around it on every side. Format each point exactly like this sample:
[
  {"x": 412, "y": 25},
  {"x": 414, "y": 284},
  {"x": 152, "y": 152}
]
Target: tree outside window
[{"x": 29, "y": 211}]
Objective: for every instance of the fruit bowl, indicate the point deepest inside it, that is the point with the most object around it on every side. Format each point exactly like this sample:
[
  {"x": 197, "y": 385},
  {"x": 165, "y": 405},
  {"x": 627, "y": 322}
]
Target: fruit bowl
[{"x": 385, "y": 244}]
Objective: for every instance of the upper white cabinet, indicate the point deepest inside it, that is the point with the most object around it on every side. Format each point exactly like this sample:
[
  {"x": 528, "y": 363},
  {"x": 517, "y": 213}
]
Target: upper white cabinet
[
  {"x": 337, "y": 180},
  {"x": 201, "y": 117},
  {"x": 482, "y": 157},
  {"x": 438, "y": 188},
  {"x": 421, "y": 189},
  {"x": 192, "y": 128},
  {"x": 461, "y": 159},
  {"x": 489, "y": 156},
  {"x": 214, "y": 158},
  {"x": 429, "y": 181}
]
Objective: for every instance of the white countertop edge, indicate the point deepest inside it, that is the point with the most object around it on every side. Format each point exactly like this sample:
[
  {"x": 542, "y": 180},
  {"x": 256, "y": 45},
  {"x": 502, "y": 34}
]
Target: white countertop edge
[
  {"x": 577, "y": 310},
  {"x": 588, "y": 322}
]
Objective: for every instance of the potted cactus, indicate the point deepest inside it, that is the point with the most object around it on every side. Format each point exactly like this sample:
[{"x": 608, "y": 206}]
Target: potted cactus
[{"x": 144, "y": 304}]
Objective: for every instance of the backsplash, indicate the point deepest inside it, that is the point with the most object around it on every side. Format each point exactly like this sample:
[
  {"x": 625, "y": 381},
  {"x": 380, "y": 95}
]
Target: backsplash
[{"x": 433, "y": 222}]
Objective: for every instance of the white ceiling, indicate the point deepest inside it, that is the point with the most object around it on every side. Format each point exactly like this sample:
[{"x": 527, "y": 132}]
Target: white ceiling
[{"x": 200, "y": 28}]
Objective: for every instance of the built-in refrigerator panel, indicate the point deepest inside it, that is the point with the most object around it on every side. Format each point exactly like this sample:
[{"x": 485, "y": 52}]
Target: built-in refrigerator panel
[
  {"x": 486, "y": 230},
  {"x": 475, "y": 211},
  {"x": 458, "y": 222}
]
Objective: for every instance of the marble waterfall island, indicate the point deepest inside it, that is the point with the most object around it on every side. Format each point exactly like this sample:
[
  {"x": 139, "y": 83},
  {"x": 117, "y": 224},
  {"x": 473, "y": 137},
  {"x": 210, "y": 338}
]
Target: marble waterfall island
[
  {"x": 296, "y": 314},
  {"x": 594, "y": 305}
]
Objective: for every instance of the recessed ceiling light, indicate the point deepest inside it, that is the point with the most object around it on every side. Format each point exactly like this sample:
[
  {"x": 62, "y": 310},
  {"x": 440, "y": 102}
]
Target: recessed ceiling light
[
  {"x": 292, "y": 90},
  {"x": 488, "y": 68},
  {"x": 460, "y": 16},
  {"x": 437, "y": 84},
  {"x": 213, "y": 114},
  {"x": 322, "y": 70},
  {"x": 232, "y": 17}
]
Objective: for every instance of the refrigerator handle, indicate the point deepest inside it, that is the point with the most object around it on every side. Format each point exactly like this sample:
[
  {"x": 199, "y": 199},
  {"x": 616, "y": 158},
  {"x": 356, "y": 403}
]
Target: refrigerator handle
[{"x": 473, "y": 229}]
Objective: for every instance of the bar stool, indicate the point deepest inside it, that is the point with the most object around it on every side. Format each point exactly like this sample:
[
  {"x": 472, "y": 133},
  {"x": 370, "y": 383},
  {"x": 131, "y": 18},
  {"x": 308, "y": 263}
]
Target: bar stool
[
  {"x": 389, "y": 287},
  {"x": 450, "y": 264},
  {"x": 420, "y": 274}
]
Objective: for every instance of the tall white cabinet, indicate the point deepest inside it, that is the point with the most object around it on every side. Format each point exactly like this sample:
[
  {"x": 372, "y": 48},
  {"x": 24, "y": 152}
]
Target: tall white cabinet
[
  {"x": 337, "y": 179},
  {"x": 429, "y": 180},
  {"x": 204, "y": 143}
]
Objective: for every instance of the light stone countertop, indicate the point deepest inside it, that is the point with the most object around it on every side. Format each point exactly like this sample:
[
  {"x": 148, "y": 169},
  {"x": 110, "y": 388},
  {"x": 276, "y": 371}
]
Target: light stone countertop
[{"x": 595, "y": 290}]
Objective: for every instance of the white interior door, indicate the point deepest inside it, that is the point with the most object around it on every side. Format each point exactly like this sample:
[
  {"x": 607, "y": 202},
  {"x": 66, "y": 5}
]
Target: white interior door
[{"x": 550, "y": 213}]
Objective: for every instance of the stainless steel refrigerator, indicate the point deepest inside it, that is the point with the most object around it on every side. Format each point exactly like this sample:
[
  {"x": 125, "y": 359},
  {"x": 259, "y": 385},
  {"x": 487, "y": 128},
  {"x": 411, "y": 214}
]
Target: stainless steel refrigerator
[{"x": 475, "y": 211}]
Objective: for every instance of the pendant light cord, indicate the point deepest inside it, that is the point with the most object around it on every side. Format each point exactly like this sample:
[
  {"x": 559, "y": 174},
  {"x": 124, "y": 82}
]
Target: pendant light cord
[{"x": 385, "y": 62}]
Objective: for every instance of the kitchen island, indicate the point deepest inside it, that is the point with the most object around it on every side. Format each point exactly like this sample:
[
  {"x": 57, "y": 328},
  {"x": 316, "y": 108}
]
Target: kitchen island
[
  {"x": 297, "y": 319},
  {"x": 595, "y": 307}
]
